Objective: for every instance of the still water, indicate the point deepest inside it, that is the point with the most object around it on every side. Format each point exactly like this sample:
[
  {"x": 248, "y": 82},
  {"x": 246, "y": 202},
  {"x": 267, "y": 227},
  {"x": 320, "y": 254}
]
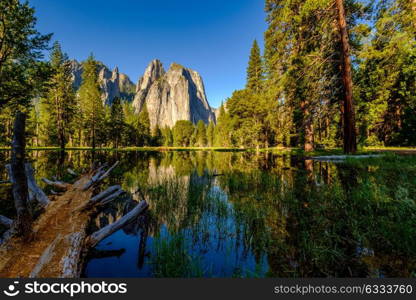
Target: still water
[{"x": 239, "y": 214}]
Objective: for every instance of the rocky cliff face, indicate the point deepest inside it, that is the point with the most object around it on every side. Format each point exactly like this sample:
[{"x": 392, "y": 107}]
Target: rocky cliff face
[
  {"x": 113, "y": 83},
  {"x": 177, "y": 94}
]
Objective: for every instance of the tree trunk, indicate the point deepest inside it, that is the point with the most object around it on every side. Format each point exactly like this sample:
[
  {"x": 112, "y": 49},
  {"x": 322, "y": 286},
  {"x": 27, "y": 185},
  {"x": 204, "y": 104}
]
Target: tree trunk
[
  {"x": 414, "y": 12},
  {"x": 93, "y": 136},
  {"x": 307, "y": 127},
  {"x": 22, "y": 226},
  {"x": 350, "y": 141}
]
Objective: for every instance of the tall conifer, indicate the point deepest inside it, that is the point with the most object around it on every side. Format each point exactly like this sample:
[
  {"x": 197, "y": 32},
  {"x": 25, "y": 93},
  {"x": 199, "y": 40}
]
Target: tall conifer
[
  {"x": 91, "y": 105},
  {"x": 255, "y": 69}
]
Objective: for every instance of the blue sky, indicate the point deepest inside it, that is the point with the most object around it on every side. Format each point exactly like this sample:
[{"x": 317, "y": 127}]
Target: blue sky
[{"x": 212, "y": 37}]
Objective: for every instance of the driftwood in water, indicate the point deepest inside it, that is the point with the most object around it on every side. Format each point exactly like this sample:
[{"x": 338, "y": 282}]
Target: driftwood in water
[{"x": 60, "y": 241}]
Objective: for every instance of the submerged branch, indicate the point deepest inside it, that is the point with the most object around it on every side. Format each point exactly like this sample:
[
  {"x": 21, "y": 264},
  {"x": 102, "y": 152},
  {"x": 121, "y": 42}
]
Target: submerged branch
[{"x": 101, "y": 234}]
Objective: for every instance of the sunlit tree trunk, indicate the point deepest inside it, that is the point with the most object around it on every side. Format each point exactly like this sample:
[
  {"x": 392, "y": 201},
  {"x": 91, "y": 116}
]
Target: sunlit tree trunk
[
  {"x": 350, "y": 141},
  {"x": 308, "y": 127},
  {"x": 414, "y": 12}
]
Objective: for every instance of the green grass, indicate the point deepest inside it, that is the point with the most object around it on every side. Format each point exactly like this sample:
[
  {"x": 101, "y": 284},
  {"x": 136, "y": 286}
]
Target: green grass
[{"x": 171, "y": 258}]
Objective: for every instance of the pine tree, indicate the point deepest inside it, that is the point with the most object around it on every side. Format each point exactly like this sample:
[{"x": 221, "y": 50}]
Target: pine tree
[
  {"x": 116, "y": 124},
  {"x": 59, "y": 105},
  {"x": 201, "y": 134},
  {"x": 91, "y": 104},
  {"x": 131, "y": 132},
  {"x": 144, "y": 127},
  {"x": 167, "y": 136},
  {"x": 387, "y": 78},
  {"x": 223, "y": 133},
  {"x": 255, "y": 71},
  {"x": 350, "y": 140},
  {"x": 22, "y": 73},
  {"x": 303, "y": 62},
  {"x": 210, "y": 134},
  {"x": 157, "y": 137},
  {"x": 182, "y": 133}
]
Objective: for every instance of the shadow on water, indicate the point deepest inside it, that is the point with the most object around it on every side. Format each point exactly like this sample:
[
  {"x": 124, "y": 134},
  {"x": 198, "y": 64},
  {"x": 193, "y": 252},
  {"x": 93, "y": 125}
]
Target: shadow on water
[{"x": 223, "y": 214}]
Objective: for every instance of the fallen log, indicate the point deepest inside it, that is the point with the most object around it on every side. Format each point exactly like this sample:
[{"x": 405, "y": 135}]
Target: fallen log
[
  {"x": 74, "y": 255},
  {"x": 60, "y": 241},
  {"x": 45, "y": 258}
]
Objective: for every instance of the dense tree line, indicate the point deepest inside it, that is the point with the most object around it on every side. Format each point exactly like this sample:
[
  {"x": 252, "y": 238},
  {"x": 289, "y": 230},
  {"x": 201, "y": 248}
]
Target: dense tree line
[
  {"x": 331, "y": 70},
  {"x": 333, "y": 73}
]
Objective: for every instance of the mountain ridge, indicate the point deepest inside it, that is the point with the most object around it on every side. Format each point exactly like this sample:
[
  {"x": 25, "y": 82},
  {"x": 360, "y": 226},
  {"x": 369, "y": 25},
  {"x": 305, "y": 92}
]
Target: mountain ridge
[{"x": 170, "y": 96}]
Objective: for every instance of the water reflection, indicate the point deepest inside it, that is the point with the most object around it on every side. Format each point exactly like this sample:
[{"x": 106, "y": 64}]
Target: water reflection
[{"x": 223, "y": 214}]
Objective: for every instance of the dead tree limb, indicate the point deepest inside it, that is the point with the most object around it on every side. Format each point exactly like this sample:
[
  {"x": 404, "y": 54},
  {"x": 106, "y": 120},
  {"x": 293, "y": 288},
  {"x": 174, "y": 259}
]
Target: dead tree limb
[
  {"x": 37, "y": 192},
  {"x": 6, "y": 221},
  {"x": 72, "y": 172},
  {"x": 99, "y": 176},
  {"x": 58, "y": 184},
  {"x": 96, "y": 199},
  {"x": 106, "y": 193},
  {"x": 108, "y": 171},
  {"x": 101, "y": 234},
  {"x": 94, "y": 179},
  {"x": 111, "y": 197},
  {"x": 34, "y": 191}
]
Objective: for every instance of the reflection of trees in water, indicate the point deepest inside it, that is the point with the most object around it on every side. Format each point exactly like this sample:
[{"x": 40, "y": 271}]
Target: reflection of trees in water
[{"x": 307, "y": 218}]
